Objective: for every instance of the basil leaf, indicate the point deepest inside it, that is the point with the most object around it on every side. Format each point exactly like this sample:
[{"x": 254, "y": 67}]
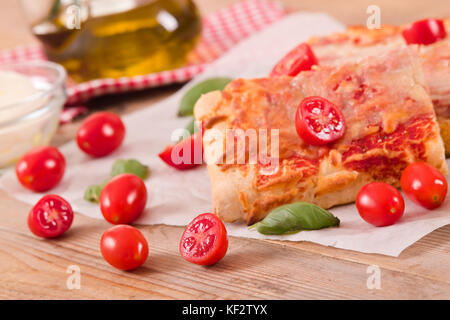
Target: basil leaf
[
  {"x": 120, "y": 166},
  {"x": 92, "y": 193},
  {"x": 295, "y": 217},
  {"x": 129, "y": 166},
  {"x": 192, "y": 95},
  {"x": 191, "y": 128}
]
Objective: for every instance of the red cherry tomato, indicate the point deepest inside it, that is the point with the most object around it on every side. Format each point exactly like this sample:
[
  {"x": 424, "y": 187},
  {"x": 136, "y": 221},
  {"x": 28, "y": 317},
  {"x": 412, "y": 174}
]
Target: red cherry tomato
[
  {"x": 424, "y": 184},
  {"x": 50, "y": 217},
  {"x": 124, "y": 247},
  {"x": 380, "y": 204},
  {"x": 123, "y": 199},
  {"x": 205, "y": 240},
  {"x": 41, "y": 168},
  {"x": 425, "y": 32},
  {"x": 301, "y": 58},
  {"x": 100, "y": 134},
  {"x": 318, "y": 121},
  {"x": 186, "y": 154}
]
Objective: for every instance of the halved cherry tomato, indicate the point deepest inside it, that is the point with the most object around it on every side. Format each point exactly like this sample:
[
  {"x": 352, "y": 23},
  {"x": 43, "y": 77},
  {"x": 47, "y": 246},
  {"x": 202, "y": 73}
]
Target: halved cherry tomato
[
  {"x": 41, "y": 168},
  {"x": 100, "y": 134},
  {"x": 50, "y": 217},
  {"x": 318, "y": 121},
  {"x": 426, "y": 31},
  {"x": 301, "y": 58},
  {"x": 124, "y": 247},
  {"x": 186, "y": 154},
  {"x": 424, "y": 184},
  {"x": 123, "y": 199},
  {"x": 380, "y": 204},
  {"x": 205, "y": 240}
]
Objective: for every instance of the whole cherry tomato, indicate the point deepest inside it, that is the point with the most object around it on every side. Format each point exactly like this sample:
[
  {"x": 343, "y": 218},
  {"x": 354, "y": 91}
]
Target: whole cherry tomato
[
  {"x": 318, "y": 121},
  {"x": 100, "y": 134},
  {"x": 124, "y": 247},
  {"x": 50, "y": 217},
  {"x": 426, "y": 31},
  {"x": 380, "y": 204},
  {"x": 301, "y": 58},
  {"x": 123, "y": 199},
  {"x": 424, "y": 184},
  {"x": 41, "y": 168},
  {"x": 205, "y": 240},
  {"x": 186, "y": 154}
]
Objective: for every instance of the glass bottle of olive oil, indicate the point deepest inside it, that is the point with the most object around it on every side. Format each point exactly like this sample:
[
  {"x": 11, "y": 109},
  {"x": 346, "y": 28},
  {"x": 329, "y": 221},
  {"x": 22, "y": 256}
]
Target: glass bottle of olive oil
[{"x": 115, "y": 38}]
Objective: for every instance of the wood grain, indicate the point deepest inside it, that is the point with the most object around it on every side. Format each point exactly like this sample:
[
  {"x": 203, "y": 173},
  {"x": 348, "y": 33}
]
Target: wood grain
[
  {"x": 32, "y": 268},
  {"x": 252, "y": 269}
]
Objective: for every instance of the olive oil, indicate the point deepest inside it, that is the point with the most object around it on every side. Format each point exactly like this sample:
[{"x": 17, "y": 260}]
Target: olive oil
[{"x": 118, "y": 38}]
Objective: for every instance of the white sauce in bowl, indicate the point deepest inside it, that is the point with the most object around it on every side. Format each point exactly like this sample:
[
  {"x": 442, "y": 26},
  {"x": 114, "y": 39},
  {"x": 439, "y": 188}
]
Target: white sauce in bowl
[
  {"x": 14, "y": 87},
  {"x": 29, "y": 114}
]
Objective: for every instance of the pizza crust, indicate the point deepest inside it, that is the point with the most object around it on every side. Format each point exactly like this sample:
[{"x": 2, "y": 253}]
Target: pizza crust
[{"x": 444, "y": 124}]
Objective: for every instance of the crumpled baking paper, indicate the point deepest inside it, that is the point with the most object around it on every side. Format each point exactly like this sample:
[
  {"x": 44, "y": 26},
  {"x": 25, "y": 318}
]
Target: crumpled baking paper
[{"x": 175, "y": 197}]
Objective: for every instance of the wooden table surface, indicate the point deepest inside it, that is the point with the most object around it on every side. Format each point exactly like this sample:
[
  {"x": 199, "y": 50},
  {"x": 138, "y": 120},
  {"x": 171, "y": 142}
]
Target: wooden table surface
[{"x": 32, "y": 268}]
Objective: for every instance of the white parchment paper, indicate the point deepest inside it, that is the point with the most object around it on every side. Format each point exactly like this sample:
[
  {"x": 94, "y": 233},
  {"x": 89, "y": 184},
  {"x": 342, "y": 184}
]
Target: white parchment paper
[{"x": 175, "y": 198}]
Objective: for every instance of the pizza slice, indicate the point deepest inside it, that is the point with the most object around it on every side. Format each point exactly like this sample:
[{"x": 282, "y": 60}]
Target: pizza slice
[
  {"x": 359, "y": 42},
  {"x": 390, "y": 122}
]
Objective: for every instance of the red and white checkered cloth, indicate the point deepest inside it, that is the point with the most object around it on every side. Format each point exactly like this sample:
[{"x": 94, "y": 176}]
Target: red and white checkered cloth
[{"x": 221, "y": 30}]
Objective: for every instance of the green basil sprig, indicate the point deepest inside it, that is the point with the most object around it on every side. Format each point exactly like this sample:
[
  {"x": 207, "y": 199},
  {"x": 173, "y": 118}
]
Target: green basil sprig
[
  {"x": 191, "y": 127},
  {"x": 120, "y": 166},
  {"x": 295, "y": 217},
  {"x": 192, "y": 95},
  {"x": 129, "y": 166}
]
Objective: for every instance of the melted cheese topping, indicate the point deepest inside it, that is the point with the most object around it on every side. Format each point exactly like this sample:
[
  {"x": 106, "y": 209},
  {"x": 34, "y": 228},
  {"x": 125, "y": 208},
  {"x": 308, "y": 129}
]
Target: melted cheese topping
[
  {"x": 359, "y": 43},
  {"x": 373, "y": 96}
]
